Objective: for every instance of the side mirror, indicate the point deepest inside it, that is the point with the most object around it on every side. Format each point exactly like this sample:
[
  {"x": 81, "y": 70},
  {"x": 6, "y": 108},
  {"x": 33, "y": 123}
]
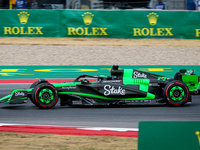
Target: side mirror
[
  {"x": 182, "y": 71},
  {"x": 115, "y": 67}
]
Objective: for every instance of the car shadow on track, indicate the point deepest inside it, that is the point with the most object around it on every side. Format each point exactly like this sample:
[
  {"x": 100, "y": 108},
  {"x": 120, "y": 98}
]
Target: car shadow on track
[{"x": 33, "y": 107}]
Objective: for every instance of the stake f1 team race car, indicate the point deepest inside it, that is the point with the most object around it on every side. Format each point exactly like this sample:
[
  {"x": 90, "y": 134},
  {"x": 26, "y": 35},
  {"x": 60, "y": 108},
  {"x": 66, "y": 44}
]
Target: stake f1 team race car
[{"x": 123, "y": 87}]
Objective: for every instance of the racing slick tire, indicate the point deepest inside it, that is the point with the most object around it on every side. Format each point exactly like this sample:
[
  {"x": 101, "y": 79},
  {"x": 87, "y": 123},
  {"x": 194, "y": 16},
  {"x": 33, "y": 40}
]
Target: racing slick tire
[
  {"x": 176, "y": 93},
  {"x": 44, "y": 95},
  {"x": 33, "y": 86}
]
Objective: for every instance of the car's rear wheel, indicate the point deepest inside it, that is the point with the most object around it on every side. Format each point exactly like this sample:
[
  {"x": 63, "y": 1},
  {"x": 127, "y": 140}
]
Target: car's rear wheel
[
  {"x": 176, "y": 93},
  {"x": 44, "y": 95}
]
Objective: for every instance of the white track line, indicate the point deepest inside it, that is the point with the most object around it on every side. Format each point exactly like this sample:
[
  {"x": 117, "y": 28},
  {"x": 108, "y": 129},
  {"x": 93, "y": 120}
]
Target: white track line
[
  {"x": 81, "y": 128},
  {"x": 110, "y": 129}
]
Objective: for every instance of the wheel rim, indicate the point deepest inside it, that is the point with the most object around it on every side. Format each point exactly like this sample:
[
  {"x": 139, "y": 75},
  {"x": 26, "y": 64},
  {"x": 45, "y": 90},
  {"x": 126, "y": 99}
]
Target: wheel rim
[
  {"x": 177, "y": 93},
  {"x": 46, "y": 96}
]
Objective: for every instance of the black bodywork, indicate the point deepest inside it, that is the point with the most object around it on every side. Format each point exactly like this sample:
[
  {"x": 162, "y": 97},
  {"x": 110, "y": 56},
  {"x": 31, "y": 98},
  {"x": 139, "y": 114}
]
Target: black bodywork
[{"x": 122, "y": 87}]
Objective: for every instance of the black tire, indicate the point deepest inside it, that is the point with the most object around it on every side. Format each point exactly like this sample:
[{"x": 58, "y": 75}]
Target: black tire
[
  {"x": 176, "y": 93},
  {"x": 33, "y": 101},
  {"x": 37, "y": 82},
  {"x": 44, "y": 95},
  {"x": 32, "y": 86}
]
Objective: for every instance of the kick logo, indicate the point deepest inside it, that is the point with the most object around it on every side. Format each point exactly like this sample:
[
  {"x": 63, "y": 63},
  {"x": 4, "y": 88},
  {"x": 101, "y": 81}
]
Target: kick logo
[
  {"x": 198, "y": 136},
  {"x": 112, "y": 90}
]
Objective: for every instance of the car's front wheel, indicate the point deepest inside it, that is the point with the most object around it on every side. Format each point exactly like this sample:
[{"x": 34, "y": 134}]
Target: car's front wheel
[
  {"x": 44, "y": 95},
  {"x": 176, "y": 93}
]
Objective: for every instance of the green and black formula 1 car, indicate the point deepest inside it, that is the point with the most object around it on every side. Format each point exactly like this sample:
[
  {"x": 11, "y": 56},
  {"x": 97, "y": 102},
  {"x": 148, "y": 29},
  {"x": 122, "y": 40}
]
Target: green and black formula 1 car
[{"x": 123, "y": 87}]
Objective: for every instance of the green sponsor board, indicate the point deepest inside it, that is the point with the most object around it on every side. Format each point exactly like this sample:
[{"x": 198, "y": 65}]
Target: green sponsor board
[
  {"x": 169, "y": 135},
  {"x": 100, "y": 23},
  {"x": 130, "y": 24},
  {"x": 191, "y": 26},
  {"x": 92, "y": 24},
  {"x": 29, "y": 23},
  {"x": 32, "y": 72},
  {"x": 154, "y": 24}
]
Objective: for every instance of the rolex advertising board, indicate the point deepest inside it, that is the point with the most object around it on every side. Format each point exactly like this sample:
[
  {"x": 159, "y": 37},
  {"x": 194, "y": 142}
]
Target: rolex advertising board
[
  {"x": 92, "y": 24},
  {"x": 100, "y": 23},
  {"x": 29, "y": 23},
  {"x": 154, "y": 24}
]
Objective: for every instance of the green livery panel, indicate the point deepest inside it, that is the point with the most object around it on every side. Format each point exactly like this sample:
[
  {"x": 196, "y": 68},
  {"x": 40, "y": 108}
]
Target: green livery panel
[{"x": 122, "y": 87}]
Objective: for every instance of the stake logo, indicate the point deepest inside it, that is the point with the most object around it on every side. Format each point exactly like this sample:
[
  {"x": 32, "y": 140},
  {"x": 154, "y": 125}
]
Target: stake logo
[
  {"x": 152, "y": 18},
  {"x": 87, "y": 19},
  {"x": 23, "y": 17},
  {"x": 21, "y": 30},
  {"x": 139, "y": 75},
  {"x": 17, "y": 93},
  {"x": 198, "y": 136},
  {"x": 112, "y": 90}
]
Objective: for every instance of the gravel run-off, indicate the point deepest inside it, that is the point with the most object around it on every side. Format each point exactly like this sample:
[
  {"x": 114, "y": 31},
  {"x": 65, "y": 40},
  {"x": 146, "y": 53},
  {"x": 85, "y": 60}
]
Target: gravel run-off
[{"x": 91, "y": 51}]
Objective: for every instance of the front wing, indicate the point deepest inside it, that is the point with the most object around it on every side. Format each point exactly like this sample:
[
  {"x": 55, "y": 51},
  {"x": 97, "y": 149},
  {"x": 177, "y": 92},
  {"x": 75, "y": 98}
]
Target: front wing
[{"x": 17, "y": 96}]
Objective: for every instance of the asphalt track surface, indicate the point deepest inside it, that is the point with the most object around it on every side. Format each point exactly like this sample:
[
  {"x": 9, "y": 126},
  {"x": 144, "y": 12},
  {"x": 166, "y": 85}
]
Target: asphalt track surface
[{"x": 120, "y": 117}]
